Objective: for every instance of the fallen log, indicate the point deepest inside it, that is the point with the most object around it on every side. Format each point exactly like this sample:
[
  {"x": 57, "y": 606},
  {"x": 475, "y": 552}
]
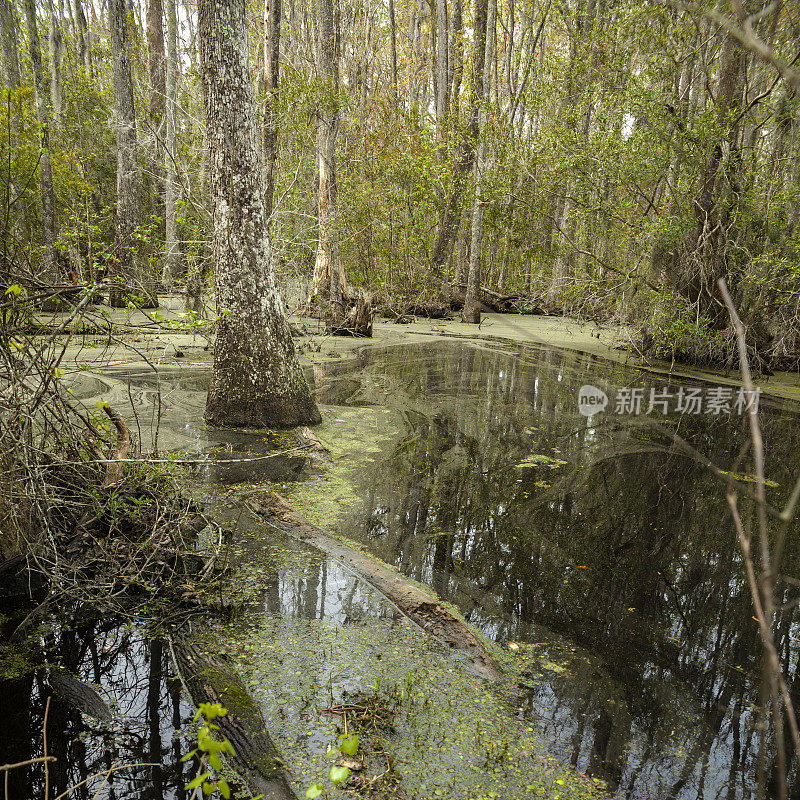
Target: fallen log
[
  {"x": 212, "y": 679},
  {"x": 310, "y": 440},
  {"x": 493, "y": 302},
  {"x": 417, "y": 604}
]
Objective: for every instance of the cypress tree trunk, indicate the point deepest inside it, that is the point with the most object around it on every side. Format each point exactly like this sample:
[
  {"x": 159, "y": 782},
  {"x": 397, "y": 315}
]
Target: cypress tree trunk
[
  {"x": 56, "y": 61},
  {"x": 156, "y": 62},
  {"x": 132, "y": 282},
  {"x": 154, "y": 178},
  {"x": 49, "y": 269},
  {"x": 82, "y": 29},
  {"x": 451, "y": 214},
  {"x": 256, "y": 381},
  {"x": 9, "y": 31},
  {"x": 455, "y": 57},
  {"x": 393, "y": 44},
  {"x": 442, "y": 67},
  {"x": 482, "y": 67}
]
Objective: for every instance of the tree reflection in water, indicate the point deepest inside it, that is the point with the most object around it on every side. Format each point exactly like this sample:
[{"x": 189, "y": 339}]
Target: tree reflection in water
[
  {"x": 133, "y": 672},
  {"x": 620, "y": 566}
]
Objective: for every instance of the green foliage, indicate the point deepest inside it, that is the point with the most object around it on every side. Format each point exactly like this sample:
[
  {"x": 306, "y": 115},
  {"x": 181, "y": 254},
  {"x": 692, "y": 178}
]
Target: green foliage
[
  {"x": 209, "y": 751},
  {"x": 338, "y": 774},
  {"x": 676, "y": 333}
]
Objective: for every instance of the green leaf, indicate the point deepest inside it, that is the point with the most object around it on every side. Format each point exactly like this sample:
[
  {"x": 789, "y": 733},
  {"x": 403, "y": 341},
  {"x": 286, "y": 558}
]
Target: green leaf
[
  {"x": 14, "y": 289},
  {"x": 338, "y": 775},
  {"x": 189, "y": 755},
  {"x": 193, "y": 784},
  {"x": 223, "y": 787},
  {"x": 315, "y": 791},
  {"x": 349, "y": 744},
  {"x": 215, "y": 762},
  {"x": 331, "y": 751},
  {"x": 209, "y": 787}
]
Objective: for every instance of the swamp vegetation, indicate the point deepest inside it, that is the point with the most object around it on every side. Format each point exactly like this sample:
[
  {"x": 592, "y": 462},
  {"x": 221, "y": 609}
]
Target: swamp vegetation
[{"x": 529, "y": 269}]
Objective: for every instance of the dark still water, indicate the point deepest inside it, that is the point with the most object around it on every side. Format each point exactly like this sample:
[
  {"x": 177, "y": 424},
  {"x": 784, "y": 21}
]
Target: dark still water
[{"x": 599, "y": 545}]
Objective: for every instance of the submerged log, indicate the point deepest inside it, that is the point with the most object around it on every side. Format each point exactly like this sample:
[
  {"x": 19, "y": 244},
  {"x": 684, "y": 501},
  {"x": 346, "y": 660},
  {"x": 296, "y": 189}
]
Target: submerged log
[
  {"x": 417, "y": 604},
  {"x": 212, "y": 679},
  {"x": 78, "y": 694}
]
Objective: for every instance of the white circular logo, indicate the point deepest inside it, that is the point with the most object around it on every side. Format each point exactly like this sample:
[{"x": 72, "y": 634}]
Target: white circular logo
[{"x": 591, "y": 400}]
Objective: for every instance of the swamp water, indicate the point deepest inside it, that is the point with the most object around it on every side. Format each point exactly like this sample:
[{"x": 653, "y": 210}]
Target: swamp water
[{"x": 599, "y": 547}]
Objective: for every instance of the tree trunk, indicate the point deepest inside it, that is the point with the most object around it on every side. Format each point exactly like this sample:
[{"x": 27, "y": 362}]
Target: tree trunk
[
  {"x": 84, "y": 49},
  {"x": 56, "y": 61},
  {"x": 172, "y": 251},
  {"x": 49, "y": 272},
  {"x": 329, "y": 280},
  {"x": 272, "y": 48},
  {"x": 156, "y": 62},
  {"x": 472, "y": 304},
  {"x": 442, "y": 85},
  {"x": 455, "y": 58},
  {"x": 9, "y": 33},
  {"x": 393, "y": 43},
  {"x": 131, "y": 280},
  {"x": 701, "y": 260},
  {"x": 450, "y": 215},
  {"x": 256, "y": 381}
]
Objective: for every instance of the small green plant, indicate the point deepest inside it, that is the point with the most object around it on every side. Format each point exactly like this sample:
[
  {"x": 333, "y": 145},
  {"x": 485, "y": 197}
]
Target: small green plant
[
  {"x": 210, "y": 748},
  {"x": 348, "y": 746}
]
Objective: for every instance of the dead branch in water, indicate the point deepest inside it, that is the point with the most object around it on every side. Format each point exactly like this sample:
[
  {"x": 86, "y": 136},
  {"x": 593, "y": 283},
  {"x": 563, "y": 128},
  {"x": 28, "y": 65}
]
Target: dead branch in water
[{"x": 762, "y": 580}]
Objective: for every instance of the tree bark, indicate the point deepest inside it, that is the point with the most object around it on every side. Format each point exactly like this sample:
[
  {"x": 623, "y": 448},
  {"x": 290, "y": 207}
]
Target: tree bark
[
  {"x": 49, "y": 272},
  {"x": 393, "y": 43},
  {"x": 156, "y": 62},
  {"x": 472, "y": 304},
  {"x": 82, "y": 37},
  {"x": 329, "y": 280},
  {"x": 84, "y": 43},
  {"x": 256, "y": 381},
  {"x": 272, "y": 49},
  {"x": 442, "y": 85},
  {"x": 450, "y": 215},
  {"x": 131, "y": 282},
  {"x": 56, "y": 40},
  {"x": 9, "y": 33},
  {"x": 696, "y": 265},
  {"x": 172, "y": 248},
  {"x": 455, "y": 58}
]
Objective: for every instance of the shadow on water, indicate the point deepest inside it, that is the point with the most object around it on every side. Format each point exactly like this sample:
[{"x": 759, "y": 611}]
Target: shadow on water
[
  {"x": 597, "y": 544},
  {"x": 133, "y": 676}
]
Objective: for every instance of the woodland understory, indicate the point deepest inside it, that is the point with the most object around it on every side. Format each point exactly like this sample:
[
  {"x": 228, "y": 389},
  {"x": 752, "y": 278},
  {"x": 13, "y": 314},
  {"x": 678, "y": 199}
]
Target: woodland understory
[{"x": 602, "y": 159}]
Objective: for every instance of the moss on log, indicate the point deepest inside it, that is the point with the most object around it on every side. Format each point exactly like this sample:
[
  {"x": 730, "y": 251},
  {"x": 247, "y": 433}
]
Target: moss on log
[{"x": 212, "y": 679}]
